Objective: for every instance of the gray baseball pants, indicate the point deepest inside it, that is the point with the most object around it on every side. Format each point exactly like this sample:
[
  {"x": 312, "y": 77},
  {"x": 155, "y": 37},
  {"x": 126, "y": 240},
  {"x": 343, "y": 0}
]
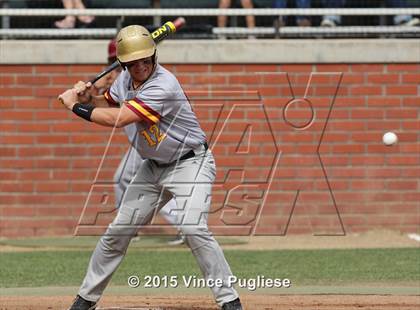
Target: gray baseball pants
[
  {"x": 190, "y": 183},
  {"x": 126, "y": 171}
]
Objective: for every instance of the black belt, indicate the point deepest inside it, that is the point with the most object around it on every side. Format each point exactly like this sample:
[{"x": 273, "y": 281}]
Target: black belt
[{"x": 189, "y": 154}]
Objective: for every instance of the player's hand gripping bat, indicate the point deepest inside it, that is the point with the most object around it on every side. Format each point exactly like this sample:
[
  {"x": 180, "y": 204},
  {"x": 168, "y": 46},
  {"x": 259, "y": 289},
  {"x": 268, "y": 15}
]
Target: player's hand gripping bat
[{"x": 157, "y": 35}]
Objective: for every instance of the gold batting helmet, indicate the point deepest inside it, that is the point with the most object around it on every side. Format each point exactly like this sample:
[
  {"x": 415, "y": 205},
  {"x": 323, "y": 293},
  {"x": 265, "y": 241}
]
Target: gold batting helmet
[{"x": 134, "y": 42}]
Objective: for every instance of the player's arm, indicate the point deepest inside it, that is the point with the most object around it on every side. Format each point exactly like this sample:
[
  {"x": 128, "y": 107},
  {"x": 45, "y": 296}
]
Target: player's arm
[
  {"x": 110, "y": 117},
  {"x": 100, "y": 101}
]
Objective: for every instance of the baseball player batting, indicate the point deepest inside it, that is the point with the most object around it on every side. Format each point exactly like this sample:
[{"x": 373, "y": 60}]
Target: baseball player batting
[
  {"x": 178, "y": 164},
  {"x": 132, "y": 160}
]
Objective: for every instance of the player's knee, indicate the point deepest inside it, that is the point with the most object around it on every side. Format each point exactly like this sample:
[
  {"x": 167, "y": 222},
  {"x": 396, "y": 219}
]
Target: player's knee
[
  {"x": 189, "y": 230},
  {"x": 116, "y": 240},
  {"x": 196, "y": 236}
]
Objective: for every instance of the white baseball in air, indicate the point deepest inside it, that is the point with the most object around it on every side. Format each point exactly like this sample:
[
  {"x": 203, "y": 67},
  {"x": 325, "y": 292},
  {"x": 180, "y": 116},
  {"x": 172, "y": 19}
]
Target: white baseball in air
[{"x": 389, "y": 138}]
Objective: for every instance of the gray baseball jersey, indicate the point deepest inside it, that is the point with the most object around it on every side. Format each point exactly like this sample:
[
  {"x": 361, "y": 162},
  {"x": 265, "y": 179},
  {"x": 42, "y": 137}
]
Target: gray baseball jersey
[
  {"x": 158, "y": 102},
  {"x": 168, "y": 129}
]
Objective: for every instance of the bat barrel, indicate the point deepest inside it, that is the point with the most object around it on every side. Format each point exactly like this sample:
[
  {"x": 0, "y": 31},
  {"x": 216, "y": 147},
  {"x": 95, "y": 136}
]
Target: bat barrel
[
  {"x": 167, "y": 28},
  {"x": 162, "y": 32}
]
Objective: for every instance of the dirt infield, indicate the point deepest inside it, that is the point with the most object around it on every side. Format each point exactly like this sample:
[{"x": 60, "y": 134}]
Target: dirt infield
[{"x": 250, "y": 302}]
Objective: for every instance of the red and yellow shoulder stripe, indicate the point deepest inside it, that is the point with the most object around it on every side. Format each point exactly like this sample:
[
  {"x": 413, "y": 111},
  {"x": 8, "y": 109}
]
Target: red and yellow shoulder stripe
[
  {"x": 109, "y": 98},
  {"x": 143, "y": 110}
]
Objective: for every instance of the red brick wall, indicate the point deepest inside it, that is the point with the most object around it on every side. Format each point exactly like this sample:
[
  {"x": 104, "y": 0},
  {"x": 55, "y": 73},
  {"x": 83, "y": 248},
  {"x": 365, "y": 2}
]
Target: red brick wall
[{"x": 330, "y": 177}]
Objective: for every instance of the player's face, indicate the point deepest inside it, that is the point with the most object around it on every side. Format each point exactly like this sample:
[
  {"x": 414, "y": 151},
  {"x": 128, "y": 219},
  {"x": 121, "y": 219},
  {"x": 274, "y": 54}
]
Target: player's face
[{"x": 141, "y": 69}]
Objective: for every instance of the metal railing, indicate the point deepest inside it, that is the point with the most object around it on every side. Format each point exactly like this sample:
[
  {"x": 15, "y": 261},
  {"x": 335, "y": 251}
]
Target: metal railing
[
  {"x": 274, "y": 30},
  {"x": 210, "y": 12}
]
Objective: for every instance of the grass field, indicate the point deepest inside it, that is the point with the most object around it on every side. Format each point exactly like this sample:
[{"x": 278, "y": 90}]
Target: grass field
[
  {"x": 37, "y": 272},
  {"x": 302, "y": 267}
]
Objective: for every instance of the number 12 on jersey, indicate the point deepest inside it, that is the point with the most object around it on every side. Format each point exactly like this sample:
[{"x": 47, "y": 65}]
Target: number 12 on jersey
[{"x": 153, "y": 135}]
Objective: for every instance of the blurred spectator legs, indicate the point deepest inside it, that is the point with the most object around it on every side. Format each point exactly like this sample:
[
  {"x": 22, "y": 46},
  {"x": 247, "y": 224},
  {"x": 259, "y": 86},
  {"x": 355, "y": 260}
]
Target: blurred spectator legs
[
  {"x": 327, "y": 21},
  {"x": 250, "y": 19},
  {"x": 247, "y": 4},
  {"x": 332, "y": 20},
  {"x": 402, "y": 20},
  {"x": 225, "y": 4},
  {"x": 70, "y": 21},
  {"x": 302, "y": 21}
]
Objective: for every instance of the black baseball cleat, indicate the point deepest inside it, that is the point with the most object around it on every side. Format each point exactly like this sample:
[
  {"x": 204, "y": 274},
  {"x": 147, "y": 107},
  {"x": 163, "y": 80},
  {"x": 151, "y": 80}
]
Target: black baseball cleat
[
  {"x": 83, "y": 304},
  {"x": 233, "y": 305}
]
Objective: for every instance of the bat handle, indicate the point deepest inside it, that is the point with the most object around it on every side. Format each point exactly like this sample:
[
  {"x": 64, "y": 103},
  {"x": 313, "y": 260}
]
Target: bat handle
[{"x": 114, "y": 65}]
